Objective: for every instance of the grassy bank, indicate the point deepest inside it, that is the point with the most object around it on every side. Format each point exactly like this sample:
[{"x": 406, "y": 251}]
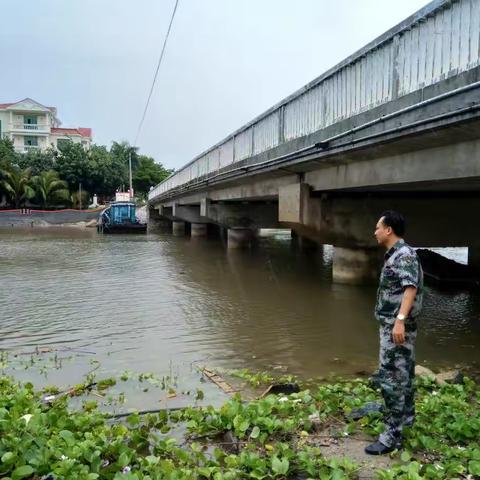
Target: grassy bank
[{"x": 274, "y": 437}]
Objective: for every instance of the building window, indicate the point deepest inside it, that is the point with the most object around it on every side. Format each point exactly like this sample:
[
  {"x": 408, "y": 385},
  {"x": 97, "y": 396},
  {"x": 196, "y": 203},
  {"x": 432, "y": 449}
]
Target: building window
[
  {"x": 30, "y": 119},
  {"x": 30, "y": 122},
  {"x": 30, "y": 141}
]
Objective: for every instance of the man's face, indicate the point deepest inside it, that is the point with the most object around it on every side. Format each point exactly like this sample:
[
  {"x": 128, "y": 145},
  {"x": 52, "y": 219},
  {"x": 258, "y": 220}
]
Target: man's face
[{"x": 382, "y": 232}]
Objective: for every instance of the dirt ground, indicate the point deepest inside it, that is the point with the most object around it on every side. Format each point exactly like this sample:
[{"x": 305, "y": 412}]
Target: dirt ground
[{"x": 353, "y": 447}]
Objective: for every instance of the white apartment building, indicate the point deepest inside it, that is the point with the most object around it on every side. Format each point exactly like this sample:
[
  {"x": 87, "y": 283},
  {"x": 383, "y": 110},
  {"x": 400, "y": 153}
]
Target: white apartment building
[{"x": 32, "y": 126}]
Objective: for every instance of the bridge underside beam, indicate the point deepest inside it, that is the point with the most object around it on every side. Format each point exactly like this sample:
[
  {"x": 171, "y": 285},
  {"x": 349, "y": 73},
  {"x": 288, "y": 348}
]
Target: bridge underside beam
[
  {"x": 452, "y": 167},
  {"x": 253, "y": 215},
  {"x": 349, "y": 221}
]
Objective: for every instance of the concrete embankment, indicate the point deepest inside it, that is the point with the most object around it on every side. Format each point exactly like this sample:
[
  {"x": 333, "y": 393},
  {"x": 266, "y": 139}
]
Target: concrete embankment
[{"x": 30, "y": 217}]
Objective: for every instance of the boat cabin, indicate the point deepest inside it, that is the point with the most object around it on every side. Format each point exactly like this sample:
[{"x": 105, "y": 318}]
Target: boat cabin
[
  {"x": 120, "y": 217},
  {"x": 122, "y": 213}
]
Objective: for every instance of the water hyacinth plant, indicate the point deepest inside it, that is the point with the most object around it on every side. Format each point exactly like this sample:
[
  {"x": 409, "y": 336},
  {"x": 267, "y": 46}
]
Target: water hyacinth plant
[{"x": 275, "y": 437}]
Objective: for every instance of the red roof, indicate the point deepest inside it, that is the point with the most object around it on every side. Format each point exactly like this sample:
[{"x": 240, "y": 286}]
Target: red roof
[
  {"x": 83, "y": 132},
  {"x": 5, "y": 105}
]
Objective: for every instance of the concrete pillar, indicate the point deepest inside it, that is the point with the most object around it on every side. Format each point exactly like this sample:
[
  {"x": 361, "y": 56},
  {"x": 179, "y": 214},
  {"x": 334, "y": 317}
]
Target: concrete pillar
[
  {"x": 178, "y": 228},
  {"x": 204, "y": 206},
  {"x": 160, "y": 225},
  {"x": 156, "y": 221},
  {"x": 474, "y": 258},
  {"x": 165, "y": 225},
  {"x": 240, "y": 237},
  {"x": 357, "y": 265},
  {"x": 199, "y": 230}
]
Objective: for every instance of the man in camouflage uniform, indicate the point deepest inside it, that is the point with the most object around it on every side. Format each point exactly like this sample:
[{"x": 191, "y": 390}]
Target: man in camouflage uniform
[{"x": 399, "y": 301}]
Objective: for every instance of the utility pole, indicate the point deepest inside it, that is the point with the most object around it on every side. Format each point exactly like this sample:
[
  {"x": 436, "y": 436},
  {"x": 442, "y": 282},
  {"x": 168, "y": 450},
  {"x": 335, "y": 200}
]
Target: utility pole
[
  {"x": 80, "y": 195},
  {"x": 130, "y": 172}
]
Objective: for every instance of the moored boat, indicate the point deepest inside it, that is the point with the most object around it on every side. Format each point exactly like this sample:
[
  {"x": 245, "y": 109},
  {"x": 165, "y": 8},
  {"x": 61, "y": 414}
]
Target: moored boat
[{"x": 120, "y": 217}]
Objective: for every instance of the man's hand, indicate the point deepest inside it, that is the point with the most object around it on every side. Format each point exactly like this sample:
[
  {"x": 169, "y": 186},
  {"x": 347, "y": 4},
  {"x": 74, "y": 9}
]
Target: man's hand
[{"x": 398, "y": 332}]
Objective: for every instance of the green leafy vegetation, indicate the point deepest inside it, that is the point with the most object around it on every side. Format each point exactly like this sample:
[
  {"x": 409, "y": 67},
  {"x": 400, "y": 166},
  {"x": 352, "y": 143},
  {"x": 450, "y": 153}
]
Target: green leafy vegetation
[
  {"x": 258, "y": 379},
  {"x": 274, "y": 437},
  {"x": 17, "y": 185},
  {"x": 52, "y": 177},
  {"x": 50, "y": 190}
]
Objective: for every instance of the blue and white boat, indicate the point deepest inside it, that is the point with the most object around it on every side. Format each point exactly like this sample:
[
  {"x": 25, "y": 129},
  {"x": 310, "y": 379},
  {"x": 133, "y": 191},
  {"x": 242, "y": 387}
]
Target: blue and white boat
[{"x": 120, "y": 217}]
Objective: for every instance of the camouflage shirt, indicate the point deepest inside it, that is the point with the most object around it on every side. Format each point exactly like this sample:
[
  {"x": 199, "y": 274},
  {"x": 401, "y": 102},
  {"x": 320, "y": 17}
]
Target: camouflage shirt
[{"x": 401, "y": 269}]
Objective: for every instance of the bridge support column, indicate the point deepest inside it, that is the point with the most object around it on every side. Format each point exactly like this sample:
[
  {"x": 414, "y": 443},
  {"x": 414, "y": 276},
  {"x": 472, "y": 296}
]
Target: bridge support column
[
  {"x": 240, "y": 237},
  {"x": 156, "y": 221},
  {"x": 199, "y": 230},
  {"x": 356, "y": 265},
  {"x": 178, "y": 228},
  {"x": 474, "y": 258}
]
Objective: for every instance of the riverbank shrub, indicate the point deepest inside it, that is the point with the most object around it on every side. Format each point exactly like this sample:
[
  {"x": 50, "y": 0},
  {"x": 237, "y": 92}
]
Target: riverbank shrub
[{"x": 275, "y": 437}]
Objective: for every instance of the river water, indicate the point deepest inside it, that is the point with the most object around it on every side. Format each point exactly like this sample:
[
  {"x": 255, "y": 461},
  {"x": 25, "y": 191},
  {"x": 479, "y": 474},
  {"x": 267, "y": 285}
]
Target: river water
[{"x": 162, "y": 304}]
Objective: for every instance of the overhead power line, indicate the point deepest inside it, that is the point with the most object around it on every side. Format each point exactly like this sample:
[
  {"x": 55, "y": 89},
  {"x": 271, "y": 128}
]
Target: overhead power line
[{"x": 162, "y": 53}]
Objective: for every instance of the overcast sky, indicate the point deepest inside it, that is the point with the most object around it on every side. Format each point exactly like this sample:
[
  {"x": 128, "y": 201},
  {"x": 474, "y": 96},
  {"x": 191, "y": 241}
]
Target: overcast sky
[{"x": 226, "y": 62}]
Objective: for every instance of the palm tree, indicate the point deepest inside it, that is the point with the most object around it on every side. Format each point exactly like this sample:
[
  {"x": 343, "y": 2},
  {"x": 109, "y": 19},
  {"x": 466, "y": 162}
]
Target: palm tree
[
  {"x": 78, "y": 200},
  {"x": 3, "y": 175},
  {"x": 49, "y": 189},
  {"x": 16, "y": 184},
  {"x": 7, "y": 155}
]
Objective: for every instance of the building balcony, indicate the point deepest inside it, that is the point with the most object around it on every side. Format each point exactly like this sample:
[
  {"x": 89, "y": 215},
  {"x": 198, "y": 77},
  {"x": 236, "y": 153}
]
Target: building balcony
[
  {"x": 31, "y": 128},
  {"x": 27, "y": 148}
]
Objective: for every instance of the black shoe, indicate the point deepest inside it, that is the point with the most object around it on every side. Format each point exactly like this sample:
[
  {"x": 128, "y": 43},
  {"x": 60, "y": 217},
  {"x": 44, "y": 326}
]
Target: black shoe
[{"x": 378, "y": 448}]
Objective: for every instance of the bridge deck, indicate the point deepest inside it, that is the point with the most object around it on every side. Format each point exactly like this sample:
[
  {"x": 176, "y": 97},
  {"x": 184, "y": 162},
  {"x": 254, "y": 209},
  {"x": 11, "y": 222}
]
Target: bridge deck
[{"x": 425, "y": 59}]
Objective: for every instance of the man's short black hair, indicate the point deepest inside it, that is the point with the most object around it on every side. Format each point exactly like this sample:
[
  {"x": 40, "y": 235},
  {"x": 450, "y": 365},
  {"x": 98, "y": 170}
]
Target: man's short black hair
[{"x": 395, "y": 221}]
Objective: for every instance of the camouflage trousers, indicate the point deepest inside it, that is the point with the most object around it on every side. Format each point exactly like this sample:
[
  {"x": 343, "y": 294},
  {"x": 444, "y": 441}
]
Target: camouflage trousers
[{"x": 395, "y": 377}]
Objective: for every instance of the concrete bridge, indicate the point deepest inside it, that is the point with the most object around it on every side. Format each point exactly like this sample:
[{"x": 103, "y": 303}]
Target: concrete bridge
[{"x": 395, "y": 125}]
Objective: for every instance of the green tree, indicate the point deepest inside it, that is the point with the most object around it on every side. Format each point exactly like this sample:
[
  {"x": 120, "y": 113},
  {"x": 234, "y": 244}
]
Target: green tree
[
  {"x": 73, "y": 166},
  {"x": 17, "y": 185},
  {"x": 38, "y": 161},
  {"x": 148, "y": 174},
  {"x": 7, "y": 160},
  {"x": 75, "y": 198},
  {"x": 7, "y": 153},
  {"x": 108, "y": 171},
  {"x": 121, "y": 151},
  {"x": 49, "y": 189},
  {"x": 98, "y": 169}
]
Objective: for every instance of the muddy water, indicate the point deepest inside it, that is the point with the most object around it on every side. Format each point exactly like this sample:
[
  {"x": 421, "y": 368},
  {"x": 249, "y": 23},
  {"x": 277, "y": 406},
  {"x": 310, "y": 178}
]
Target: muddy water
[{"x": 163, "y": 304}]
